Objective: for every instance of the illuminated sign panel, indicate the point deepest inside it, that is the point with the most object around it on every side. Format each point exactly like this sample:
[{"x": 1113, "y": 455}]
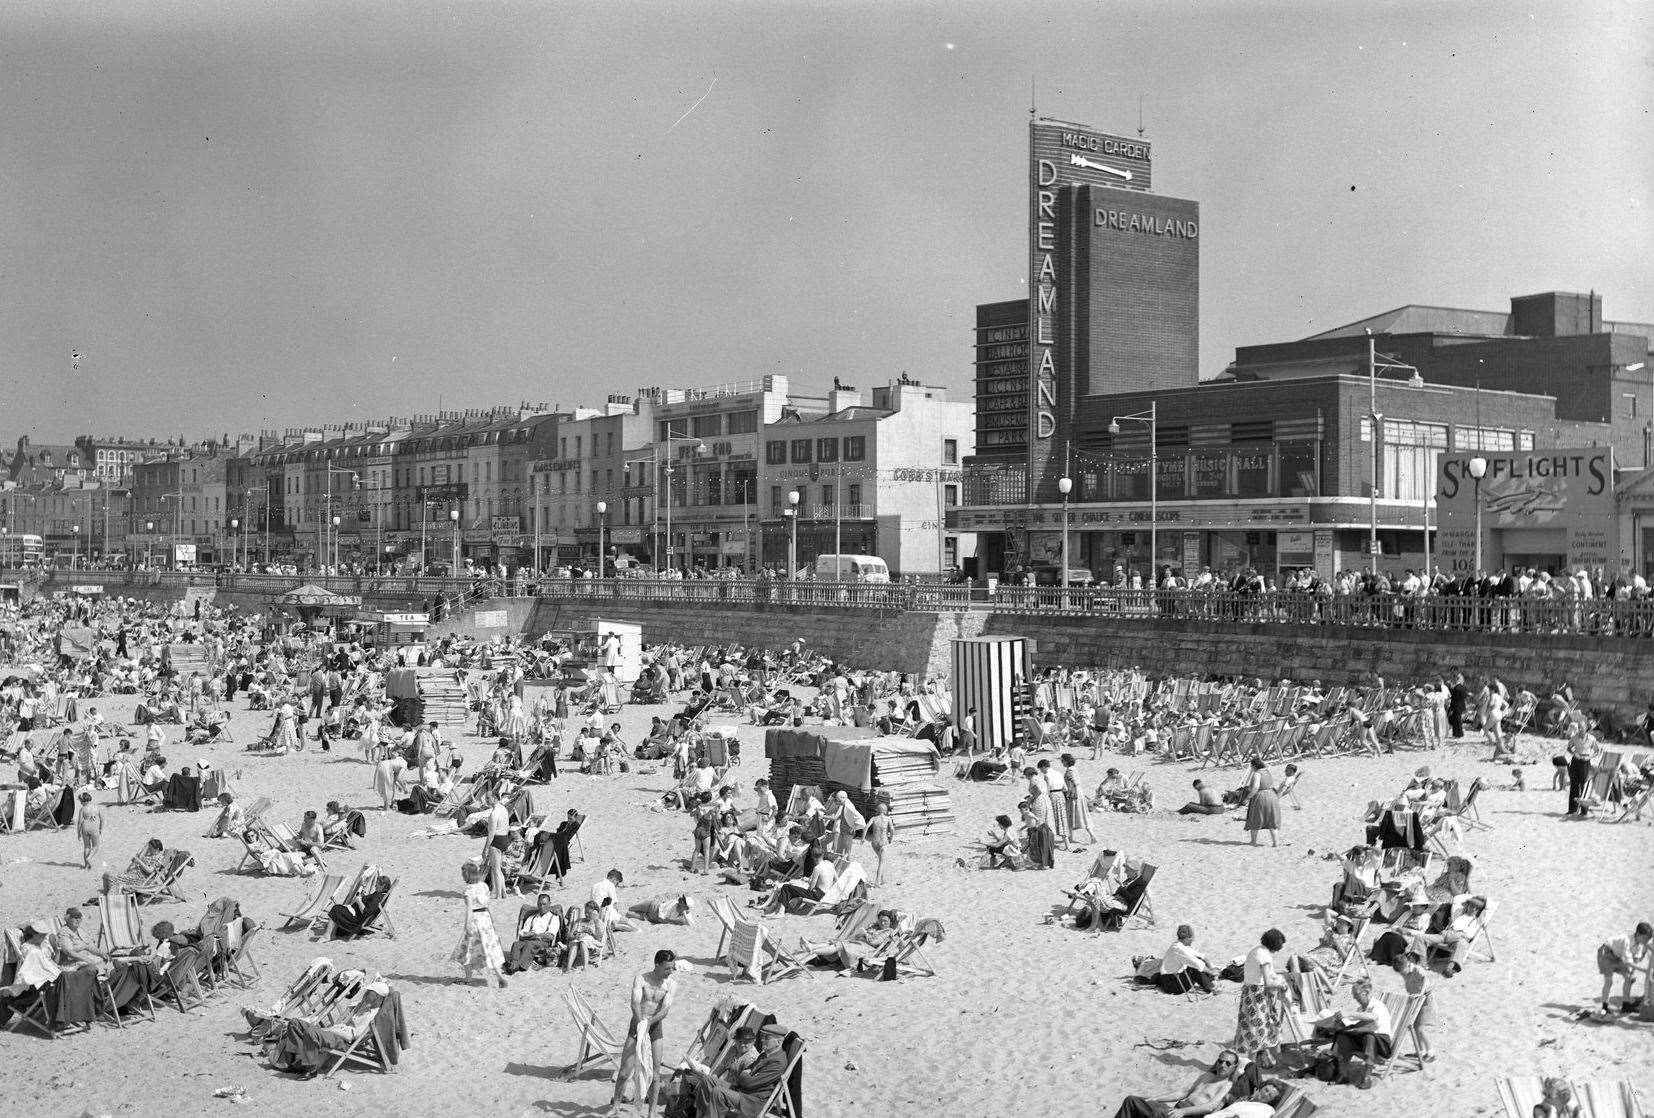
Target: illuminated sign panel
[
  {"x": 1061, "y": 155},
  {"x": 1560, "y": 501}
]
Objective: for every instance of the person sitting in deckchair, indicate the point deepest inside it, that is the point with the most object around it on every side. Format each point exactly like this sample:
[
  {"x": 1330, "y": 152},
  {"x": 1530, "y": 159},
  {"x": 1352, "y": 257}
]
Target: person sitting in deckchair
[
  {"x": 232, "y": 819},
  {"x": 1349, "y": 1030},
  {"x": 336, "y": 827},
  {"x": 144, "y": 866},
  {"x": 1327, "y": 956},
  {"x": 1181, "y": 968},
  {"x": 853, "y": 953},
  {"x": 538, "y": 932},
  {"x": 814, "y": 888},
  {"x": 743, "y": 1092},
  {"x": 1203, "y": 1097}
]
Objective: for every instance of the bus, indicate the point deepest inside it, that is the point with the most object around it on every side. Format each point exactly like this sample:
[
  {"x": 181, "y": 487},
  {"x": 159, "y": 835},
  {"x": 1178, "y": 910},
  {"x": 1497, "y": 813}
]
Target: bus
[{"x": 24, "y": 550}]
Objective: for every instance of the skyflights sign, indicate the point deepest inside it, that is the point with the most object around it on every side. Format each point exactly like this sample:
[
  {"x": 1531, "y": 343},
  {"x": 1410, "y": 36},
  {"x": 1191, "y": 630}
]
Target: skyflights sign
[{"x": 1554, "y": 504}]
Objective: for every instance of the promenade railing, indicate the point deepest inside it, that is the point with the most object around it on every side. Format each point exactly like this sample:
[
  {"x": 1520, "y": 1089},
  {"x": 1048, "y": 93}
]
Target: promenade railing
[{"x": 1522, "y": 615}]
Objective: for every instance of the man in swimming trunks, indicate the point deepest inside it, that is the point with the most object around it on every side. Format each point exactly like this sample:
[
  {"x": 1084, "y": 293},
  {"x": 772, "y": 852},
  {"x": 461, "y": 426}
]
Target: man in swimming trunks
[{"x": 652, "y": 993}]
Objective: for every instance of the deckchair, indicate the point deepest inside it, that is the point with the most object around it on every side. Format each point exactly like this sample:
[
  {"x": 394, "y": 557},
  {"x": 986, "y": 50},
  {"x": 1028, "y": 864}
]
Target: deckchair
[
  {"x": 1308, "y": 1000},
  {"x": 1608, "y": 1098},
  {"x": 1139, "y": 908},
  {"x": 538, "y": 872},
  {"x": 238, "y": 955},
  {"x": 455, "y": 802},
  {"x": 1404, "y": 1011},
  {"x": 909, "y": 950},
  {"x": 850, "y": 925},
  {"x": 1296, "y": 1103},
  {"x": 598, "y": 1045},
  {"x": 327, "y": 895},
  {"x": 302, "y": 997},
  {"x": 1355, "y": 958},
  {"x": 724, "y": 910},
  {"x": 363, "y": 1049},
  {"x": 33, "y": 1012},
  {"x": 841, "y": 895},
  {"x": 182, "y": 980},
  {"x": 1289, "y": 788},
  {"x": 745, "y": 951},
  {"x": 120, "y": 924},
  {"x": 164, "y": 881},
  {"x": 1467, "y": 812},
  {"x": 781, "y": 1102}
]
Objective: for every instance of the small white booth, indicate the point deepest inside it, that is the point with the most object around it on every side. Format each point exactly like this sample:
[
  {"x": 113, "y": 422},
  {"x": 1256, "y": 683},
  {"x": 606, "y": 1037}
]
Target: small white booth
[{"x": 629, "y": 654}]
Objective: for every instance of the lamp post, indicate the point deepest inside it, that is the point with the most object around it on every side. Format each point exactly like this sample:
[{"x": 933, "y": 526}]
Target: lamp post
[
  {"x": 149, "y": 543},
  {"x": 602, "y": 508},
  {"x": 1065, "y": 485},
  {"x": 791, "y": 513},
  {"x": 453, "y": 567},
  {"x": 333, "y": 552},
  {"x": 235, "y": 550},
  {"x": 1152, "y": 418},
  {"x": 5, "y": 539},
  {"x": 74, "y": 555},
  {"x": 700, "y": 448},
  {"x": 1377, "y": 420},
  {"x": 1478, "y": 470}
]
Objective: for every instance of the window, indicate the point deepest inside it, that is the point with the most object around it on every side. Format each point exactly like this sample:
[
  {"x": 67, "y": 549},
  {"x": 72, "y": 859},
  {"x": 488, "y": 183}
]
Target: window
[
  {"x": 611, "y": 442},
  {"x": 950, "y": 496},
  {"x": 852, "y": 493},
  {"x": 741, "y": 423},
  {"x": 1524, "y": 440},
  {"x": 707, "y": 426},
  {"x": 777, "y": 500},
  {"x": 855, "y": 448},
  {"x": 487, "y": 472},
  {"x": 827, "y": 496},
  {"x": 775, "y": 453},
  {"x": 608, "y": 481},
  {"x": 577, "y": 446},
  {"x": 950, "y": 452},
  {"x": 1483, "y": 438},
  {"x": 673, "y": 429},
  {"x": 1407, "y": 467},
  {"x": 563, "y": 447},
  {"x": 801, "y": 450},
  {"x": 826, "y": 450}
]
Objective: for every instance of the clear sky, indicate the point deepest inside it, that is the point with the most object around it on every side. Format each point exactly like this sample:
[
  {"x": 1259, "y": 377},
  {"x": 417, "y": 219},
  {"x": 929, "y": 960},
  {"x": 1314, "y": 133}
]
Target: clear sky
[{"x": 265, "y": 214}]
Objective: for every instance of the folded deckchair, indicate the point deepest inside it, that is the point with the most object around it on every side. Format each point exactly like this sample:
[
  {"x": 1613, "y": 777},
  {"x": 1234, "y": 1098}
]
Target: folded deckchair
[{"x": 598, "y": 1044}]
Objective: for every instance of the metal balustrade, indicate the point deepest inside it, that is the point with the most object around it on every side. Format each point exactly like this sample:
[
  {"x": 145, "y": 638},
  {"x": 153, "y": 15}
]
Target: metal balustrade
[{"x": 1520, "y": 616}]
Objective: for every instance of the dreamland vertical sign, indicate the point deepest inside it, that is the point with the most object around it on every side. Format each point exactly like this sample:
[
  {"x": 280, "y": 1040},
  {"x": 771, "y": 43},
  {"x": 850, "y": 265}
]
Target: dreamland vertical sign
[{"x": 1061, "y": 154}]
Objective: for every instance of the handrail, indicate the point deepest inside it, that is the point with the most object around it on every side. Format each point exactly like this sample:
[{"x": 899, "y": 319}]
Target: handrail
[{"x": 1529, "y": 617}]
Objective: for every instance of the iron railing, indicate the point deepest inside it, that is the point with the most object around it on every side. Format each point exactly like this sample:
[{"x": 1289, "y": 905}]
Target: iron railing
[{"x": 1607, "y": 617}]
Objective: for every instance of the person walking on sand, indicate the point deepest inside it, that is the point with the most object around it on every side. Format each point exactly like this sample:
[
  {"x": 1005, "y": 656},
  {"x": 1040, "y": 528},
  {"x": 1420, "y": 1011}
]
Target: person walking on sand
[
  {"x": 881, "y": 832},
  {"x": 1263, "y": 806},
  {"x": 479, "y": 948},
  {"x": 652, "y": 994},
  {"x": 89, "y": 826}
]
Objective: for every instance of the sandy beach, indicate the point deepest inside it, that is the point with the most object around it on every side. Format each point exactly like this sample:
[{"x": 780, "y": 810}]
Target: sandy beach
[{"x": 1023, "y": 1015}]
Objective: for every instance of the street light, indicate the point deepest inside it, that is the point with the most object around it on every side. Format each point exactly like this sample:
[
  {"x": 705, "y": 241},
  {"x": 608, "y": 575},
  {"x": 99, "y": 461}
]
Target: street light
[
  {"x": 235, "y": 552},
  {"x": 1478, "y": 470},
  {"x": 1377, "y": 420},
  {"x": 74, "y": 558},
  {"x": 1064, "y": 486},
  {"x": 602, "y": 508},
  {"x": 453, "y": 567},
  {"x": 333, "y": 552},
  {"x": 1152, "y": 418},
  {"x": 149, "y": 543},
  {"x": 700, "y": 448},
  {"x": 791, "y": 512}
]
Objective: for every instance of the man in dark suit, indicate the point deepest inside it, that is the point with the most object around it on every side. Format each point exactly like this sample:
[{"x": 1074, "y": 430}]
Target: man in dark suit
[{"x": 1458, "y": 699}]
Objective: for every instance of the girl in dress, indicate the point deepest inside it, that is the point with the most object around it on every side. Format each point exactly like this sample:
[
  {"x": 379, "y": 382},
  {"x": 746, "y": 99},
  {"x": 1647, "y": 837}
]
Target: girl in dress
[
  {"x": 1079, "y": 816},
  {"x": 1417, "y": 980},
  {"x": 480, "y": 945},
  {"x": 285, "y": 738},
  {"x": 1263, "y": 806}
]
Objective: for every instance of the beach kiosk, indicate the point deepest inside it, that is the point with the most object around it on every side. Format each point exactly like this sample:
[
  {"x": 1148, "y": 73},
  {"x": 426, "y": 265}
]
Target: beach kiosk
[
  {"x": 990, "y": 674},
  {"x": 392, "y": 630},
  {"x": 630, "y": 665}
]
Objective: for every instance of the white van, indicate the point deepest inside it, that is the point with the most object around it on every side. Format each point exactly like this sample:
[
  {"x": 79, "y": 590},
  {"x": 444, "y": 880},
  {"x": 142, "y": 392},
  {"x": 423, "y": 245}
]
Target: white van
[{"x": 851, "y": 568}]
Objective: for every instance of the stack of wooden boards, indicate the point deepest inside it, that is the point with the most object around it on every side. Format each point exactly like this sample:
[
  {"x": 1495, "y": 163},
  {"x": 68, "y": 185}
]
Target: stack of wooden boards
[{"x": 866, "y": 767}]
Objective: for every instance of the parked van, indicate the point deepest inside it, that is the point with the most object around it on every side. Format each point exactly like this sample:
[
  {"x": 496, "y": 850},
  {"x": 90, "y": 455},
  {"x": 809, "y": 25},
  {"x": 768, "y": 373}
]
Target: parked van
[{"x": 851, "y": 568}]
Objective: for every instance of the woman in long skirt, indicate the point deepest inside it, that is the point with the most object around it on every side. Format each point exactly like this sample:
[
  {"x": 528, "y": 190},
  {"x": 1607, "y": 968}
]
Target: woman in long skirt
[
  {"x": 1079, "y": 816},
  {"x": 1258, "y": 1028},
  {"x": 479, "y": 948},
  {"x": 285, "y": 737},
  {"x": 1263, "y": 807}
]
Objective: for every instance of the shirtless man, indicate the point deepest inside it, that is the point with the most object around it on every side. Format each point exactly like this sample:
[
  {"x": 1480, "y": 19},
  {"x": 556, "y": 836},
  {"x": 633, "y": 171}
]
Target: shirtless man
[{"x": 652, "y": 993}]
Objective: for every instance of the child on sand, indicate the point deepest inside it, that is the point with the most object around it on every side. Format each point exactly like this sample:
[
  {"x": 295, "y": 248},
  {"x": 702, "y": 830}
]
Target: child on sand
[
  {"x": 881, "y": 832},
  {"x": 89, "y": 826},
  {"x": 1417, "y": 981}
]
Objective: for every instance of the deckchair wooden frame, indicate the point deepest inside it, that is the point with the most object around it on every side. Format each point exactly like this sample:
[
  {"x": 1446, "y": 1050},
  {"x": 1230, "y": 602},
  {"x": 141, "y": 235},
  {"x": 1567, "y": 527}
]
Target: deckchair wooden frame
[
  {"x": 238, "y": 939},
  {"x": 1404, "y": 1010},
  {"x": 326, "y": 896},
  {"x": 598, "y": 1044},
  {"x": 161, "y": 883},
  {"x": 122, "y": 930},
  {"x": 35, "y": 1013},
  {"x": 364, "y": 1051},
  {"x": 780, "y": 1100}
]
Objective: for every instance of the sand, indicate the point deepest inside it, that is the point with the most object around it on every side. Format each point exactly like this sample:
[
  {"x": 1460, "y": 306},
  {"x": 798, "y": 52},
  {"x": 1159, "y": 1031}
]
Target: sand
[{"x": 1023, "y": 1016}]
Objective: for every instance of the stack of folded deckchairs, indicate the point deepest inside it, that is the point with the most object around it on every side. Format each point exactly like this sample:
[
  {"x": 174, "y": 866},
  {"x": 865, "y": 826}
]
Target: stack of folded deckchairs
[{"x": 906, "y": 780}]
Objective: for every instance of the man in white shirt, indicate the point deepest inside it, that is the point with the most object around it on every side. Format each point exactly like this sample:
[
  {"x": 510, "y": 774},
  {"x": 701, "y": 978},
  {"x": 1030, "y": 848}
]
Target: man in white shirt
[
  {"x": 1182, "y": 966},
  {"x": 1350, "y": 1029},
  {"x": 822, "y": 878}
]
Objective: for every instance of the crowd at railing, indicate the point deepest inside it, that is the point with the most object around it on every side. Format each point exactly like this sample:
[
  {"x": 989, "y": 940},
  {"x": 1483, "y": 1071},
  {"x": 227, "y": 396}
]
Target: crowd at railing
[{"x": 1598, "y": 616}]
